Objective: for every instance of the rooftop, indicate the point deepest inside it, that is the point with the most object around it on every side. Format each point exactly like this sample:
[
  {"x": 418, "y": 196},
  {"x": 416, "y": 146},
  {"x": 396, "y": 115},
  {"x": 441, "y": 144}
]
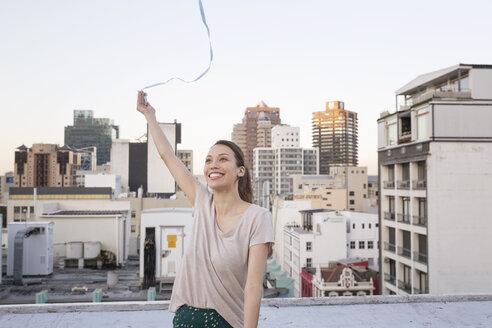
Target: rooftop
[
  {"x": 84, "y": 212},
  {"x": 348, "y": 311}
]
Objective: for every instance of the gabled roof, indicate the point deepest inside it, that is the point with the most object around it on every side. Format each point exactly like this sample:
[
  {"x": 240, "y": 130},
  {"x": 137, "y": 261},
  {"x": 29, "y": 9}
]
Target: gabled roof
[{"x": 22, "y": 147}]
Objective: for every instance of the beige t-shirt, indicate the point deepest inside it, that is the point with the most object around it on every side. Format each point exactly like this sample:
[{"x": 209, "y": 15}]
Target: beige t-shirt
[{"x": 214, "y": 267}]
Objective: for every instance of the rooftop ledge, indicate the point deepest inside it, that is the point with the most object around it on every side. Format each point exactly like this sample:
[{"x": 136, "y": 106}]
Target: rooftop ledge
[{"x": 354, "y": 311}]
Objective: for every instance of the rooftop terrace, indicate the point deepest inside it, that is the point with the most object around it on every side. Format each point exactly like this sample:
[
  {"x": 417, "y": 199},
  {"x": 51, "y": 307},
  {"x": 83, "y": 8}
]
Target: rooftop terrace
[{"x": 363, "y": 311}]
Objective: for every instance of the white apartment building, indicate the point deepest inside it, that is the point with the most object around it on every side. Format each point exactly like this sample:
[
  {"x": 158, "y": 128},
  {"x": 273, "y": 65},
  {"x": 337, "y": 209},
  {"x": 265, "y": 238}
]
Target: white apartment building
[
  {"x": 275, "y": 166},
  {"x": 285, "y": 136},
  {"x": 323, "y": 236},
  {"x": 435, "y": 169}
]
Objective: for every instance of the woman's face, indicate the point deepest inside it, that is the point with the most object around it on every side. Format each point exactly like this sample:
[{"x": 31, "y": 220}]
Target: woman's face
[{"x": 220, "y": 170}]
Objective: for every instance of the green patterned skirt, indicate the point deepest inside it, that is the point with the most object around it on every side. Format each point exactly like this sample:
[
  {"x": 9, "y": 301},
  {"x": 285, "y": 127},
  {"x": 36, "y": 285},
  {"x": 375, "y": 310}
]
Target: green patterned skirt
[{"x": 188, "y": 316}]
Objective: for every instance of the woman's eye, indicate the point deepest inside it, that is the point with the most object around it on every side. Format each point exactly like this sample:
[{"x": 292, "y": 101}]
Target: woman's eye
[{"x": 223, "y": 159}]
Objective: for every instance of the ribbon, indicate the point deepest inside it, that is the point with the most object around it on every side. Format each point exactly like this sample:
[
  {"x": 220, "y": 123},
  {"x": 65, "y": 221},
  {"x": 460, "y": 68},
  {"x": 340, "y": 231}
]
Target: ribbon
[{"x": 202, "y": 12}]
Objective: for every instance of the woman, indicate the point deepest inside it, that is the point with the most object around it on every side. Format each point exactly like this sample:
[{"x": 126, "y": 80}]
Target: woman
[{"x": 220, "y": 280}]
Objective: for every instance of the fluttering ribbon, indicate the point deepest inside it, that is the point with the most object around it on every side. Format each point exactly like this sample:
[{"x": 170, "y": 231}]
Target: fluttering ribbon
[{"x": 202, "y": 12}]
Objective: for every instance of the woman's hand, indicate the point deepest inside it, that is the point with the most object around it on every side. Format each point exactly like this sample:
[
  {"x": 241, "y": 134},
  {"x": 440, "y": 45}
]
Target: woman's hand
[{"x": 144, "y": 107}]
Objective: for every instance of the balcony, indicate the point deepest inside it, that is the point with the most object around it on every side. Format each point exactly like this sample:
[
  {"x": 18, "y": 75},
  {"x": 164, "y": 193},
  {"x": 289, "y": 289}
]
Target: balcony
[
  {"x": 419, "y": 184},
  {"x": 451, "y": 92},
  {"x": 390, "y": 278},
  {"x": 403, "y": 184},
  {"x": 405, "y": 137},
  {"x": 389, "y": 247},
  {"x": 389, "y": 216},
  {"x": 420, "y": 257},
  {"x": 405, "y": 252},
  {"x": 421, "y": 291},
  {"x": 405, "y": 286},
  {"x": 403, "y": 218},
  {"x": 389, "y": 184},
  {"x": 419, "y": 220}
]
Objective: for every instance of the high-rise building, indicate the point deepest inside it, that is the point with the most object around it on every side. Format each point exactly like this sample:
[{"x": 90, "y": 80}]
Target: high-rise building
[
  {"x": 88, "y": 131},
  {"x": 45, "y": 165},
  {"x": 274, "y": 166},
  {"x": 335, "y": 135},
  {"x": 435, "y": 171},
  {"x": 255, "y": 129}
]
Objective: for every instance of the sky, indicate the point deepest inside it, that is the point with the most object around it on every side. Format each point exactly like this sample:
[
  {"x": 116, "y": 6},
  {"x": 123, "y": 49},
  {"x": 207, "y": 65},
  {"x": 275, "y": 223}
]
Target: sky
[{"x": 57, "y": 56}]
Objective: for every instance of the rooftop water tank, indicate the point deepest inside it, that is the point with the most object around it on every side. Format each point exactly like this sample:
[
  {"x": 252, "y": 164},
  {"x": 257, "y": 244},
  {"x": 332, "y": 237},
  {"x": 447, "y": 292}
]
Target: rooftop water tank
[
  {"x": 92, "y": 249},
  {"x": 75, "y": 250}
]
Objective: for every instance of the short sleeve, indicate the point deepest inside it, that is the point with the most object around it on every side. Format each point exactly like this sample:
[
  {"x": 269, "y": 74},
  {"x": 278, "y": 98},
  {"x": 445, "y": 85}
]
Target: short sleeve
[
  {"x": 203, "y": 200},
  {"x": 262, "y": 229}
]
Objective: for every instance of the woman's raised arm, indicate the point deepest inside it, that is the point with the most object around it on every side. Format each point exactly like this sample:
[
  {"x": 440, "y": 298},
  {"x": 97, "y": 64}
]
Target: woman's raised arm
[{"x": 180, "y": 173}]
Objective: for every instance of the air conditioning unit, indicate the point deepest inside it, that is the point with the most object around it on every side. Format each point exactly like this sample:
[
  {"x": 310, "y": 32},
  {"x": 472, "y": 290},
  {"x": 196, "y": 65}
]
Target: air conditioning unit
[{"x": 37, "y": 253}]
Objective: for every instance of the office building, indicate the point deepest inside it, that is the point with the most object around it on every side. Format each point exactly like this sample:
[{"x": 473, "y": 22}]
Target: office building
[
  {"x": 255, "y": 129},
  {"x": 88, "y": 131},
  {"x": 335, "y": 136},
  {"x": 435, "y": 171}
]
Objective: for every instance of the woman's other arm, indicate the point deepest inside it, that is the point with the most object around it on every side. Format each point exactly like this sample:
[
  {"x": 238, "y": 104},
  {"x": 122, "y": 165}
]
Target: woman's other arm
[
  {"x": 257, "y": 259},
  {"x": 180, "y": 173}
]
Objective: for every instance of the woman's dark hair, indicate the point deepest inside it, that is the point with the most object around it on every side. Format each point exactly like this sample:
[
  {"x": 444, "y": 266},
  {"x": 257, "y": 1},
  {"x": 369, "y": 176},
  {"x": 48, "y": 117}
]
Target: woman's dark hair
[{"x": 244, "y": 185}]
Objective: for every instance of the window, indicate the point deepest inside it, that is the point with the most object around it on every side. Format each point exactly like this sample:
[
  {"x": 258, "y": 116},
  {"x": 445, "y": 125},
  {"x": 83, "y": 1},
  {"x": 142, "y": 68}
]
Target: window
[
  {"x": 362, "y": 244},
  {"x": 377, "y": 225},
  {"x": 370, "y": 244},
  {"x": 351, "y": 193},
  {"x": 134, "y": 214},
  {"x": 352, "y": 202},
  {"x": 134, "y": 228},
  {"x": 369, "y": 226},
  {"x": 352, "y": 245},
  {"x": 308, "y": 246},
  {"x": 364, "y": 186},
  {"x": 309, "y": 262},
  {"x": 352, "y": 209},
  {"x": 363, "y": 225},
  {"x": 353, "y": 225}
]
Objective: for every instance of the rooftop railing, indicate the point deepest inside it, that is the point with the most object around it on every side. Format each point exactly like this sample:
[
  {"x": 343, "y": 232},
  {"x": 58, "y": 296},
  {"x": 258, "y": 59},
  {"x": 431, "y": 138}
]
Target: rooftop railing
[
  {"x": 405, "y": 286},
  {"x": 405, "y": 252},
  {"x": 389, "y": 216},
  {"x": 403, "y": 218},
  {"x": 389, "y": 184},
  {"x": 419, "y": 220},
  {"x": 389, "y": 247},
  {"x": 390, "y": 278},
  {"x": 421, "y": 291},
  {"x": 403, "y": 184},
  {"x": 420, "y": 257},
  {"x": 419, "y": 184}
]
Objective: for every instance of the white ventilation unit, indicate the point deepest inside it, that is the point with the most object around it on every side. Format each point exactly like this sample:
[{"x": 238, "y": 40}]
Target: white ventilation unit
[{"x": 37, "y": 250}]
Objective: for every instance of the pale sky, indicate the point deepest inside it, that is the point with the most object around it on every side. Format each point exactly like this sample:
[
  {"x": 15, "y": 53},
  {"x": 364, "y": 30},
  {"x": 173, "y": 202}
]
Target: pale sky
[{"x": 57, "y": 56}]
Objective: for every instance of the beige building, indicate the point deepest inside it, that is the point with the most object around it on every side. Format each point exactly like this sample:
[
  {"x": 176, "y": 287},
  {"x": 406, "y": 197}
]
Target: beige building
[
  {"x": 345, "y": 188},
  {"x": 255, "y": 129},
  {"x": 186, "y": 156},
  {"x": 45, "y": 165}
]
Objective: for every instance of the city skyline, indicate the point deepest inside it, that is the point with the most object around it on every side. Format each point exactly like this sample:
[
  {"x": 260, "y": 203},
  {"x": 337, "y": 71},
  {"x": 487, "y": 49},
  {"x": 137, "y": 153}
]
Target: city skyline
[{"x": 63, "y": 57}]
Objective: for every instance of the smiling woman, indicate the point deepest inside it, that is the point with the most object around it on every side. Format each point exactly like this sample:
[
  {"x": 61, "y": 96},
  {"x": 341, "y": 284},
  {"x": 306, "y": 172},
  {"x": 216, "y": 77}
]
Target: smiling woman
[{"x": 220, "y": 280}]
